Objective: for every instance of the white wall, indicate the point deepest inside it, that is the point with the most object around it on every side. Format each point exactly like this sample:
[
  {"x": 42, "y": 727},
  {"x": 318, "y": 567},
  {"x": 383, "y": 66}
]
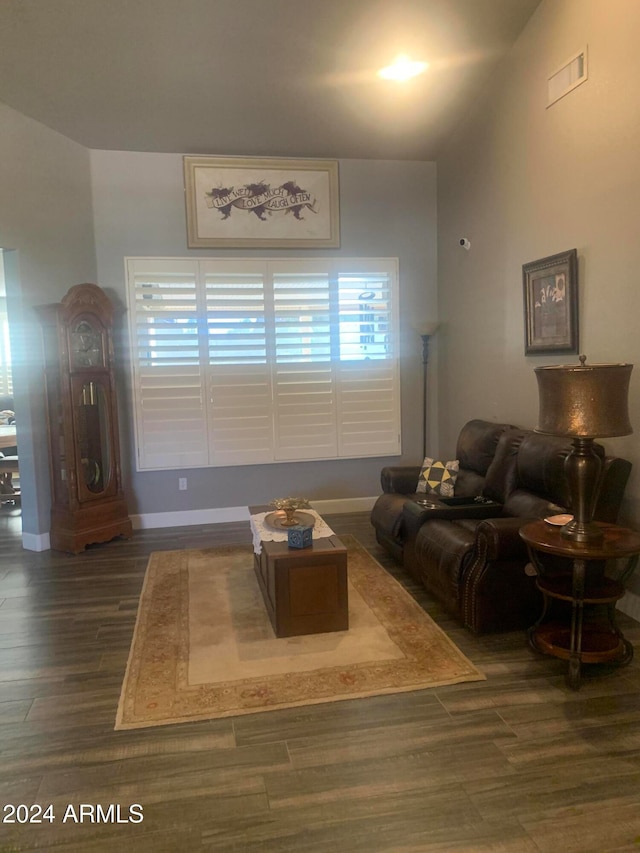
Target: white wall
[
  {"x": 523, "y": 182},
  {"x": 46, "y": 224},
  {"x": 387, "y": 208}
]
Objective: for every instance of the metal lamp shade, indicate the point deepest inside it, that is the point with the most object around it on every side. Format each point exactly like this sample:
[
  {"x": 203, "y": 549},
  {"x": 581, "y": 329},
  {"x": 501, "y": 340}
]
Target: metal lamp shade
[
  {"x": 589, "y": 400},
  {"x": 584, "y": 402}
]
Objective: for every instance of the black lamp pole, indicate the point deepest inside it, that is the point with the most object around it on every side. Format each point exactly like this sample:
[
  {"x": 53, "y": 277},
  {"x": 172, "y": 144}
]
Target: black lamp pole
[{"x": 425, "y": 362}]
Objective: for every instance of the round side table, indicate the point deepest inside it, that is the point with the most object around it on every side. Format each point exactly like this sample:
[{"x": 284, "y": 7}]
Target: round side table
[{"x": 578, "y": 640}]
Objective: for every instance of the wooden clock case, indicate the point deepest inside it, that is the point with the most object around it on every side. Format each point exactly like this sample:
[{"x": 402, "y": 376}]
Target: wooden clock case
[{"x": 87, "y": 499}]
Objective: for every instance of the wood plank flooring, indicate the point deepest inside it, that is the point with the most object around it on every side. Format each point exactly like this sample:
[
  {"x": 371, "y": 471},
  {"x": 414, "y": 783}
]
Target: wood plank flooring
[{"x": 517, "y": 763}]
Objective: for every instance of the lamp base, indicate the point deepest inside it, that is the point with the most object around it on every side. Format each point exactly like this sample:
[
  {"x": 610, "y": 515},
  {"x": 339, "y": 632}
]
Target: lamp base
[
  {"x": 582, "y": 467},
  {"x": 587, "y": 533}
]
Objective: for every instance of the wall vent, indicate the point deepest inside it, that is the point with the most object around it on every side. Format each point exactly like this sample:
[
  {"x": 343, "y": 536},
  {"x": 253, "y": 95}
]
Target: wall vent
[{"x": 572, "y": 73}]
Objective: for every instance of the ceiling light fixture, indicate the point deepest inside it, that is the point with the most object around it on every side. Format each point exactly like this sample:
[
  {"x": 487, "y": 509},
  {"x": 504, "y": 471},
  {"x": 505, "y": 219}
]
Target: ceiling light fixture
[{"x": 402, "y": 69}]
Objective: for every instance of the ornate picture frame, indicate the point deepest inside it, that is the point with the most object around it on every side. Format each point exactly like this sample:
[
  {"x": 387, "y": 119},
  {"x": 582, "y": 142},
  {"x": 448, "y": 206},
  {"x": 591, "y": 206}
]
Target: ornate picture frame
[
  {"x": 551, "y": 304},
  {"x": 236, "y": 202}
]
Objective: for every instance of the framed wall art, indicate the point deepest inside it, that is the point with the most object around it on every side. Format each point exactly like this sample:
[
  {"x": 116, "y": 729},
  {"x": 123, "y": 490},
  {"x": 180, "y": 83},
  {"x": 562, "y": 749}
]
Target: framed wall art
[
  {"x": 551, "y": 304},
  {"x": 235, "y": 202}
]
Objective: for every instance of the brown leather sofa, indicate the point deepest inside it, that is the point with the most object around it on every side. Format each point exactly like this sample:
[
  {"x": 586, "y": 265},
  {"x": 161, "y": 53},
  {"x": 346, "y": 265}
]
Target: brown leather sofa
[
  {"x": 471, "y": 558},
  {"x": 475, "y": 450}
]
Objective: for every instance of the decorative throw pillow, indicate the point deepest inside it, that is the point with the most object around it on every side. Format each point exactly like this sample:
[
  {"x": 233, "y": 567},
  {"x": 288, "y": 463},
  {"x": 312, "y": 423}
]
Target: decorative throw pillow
[{"x": 438, "y": 478}]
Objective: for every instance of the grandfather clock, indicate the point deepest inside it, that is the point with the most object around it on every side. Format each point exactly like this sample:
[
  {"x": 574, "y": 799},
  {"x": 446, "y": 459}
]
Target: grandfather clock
[{"x": 87, "y": 500}]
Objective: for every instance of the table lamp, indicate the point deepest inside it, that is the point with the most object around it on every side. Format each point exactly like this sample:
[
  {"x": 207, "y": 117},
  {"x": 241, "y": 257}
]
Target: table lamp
[{"x": 583, "y": 402}]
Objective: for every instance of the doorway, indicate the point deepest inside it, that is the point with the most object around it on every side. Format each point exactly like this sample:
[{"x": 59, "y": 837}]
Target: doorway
[{"x": 10, "y": 492}]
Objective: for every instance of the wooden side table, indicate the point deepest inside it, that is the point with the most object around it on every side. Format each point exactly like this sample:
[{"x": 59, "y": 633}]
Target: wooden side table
[{"x": 579, "y": 640}]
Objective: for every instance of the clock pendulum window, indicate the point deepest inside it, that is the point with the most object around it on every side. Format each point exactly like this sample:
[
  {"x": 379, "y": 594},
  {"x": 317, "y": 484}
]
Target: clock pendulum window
[{"x": 87, "y": 497}]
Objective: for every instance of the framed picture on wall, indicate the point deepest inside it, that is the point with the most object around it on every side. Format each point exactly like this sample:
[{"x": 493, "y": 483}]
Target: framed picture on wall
[
  {"x": 551, "y": 304},
  {"x": 235, "y": 202}
]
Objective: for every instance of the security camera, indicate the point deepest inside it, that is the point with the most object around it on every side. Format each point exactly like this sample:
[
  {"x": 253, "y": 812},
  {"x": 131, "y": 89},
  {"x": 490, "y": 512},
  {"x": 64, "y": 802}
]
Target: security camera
[{"x": 466, "y": 244}]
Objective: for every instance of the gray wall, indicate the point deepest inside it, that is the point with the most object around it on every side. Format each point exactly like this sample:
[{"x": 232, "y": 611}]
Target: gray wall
[
  {"x": 46, "y": 224},
  {"x": 523, "y": 182},
  {"x": 387, "y": 208}
]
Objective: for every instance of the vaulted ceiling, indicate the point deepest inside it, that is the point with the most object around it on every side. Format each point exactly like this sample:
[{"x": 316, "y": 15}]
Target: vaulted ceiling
[{"x": 252, "y": 77}]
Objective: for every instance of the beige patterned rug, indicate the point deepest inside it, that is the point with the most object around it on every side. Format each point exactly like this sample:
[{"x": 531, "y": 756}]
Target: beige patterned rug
[{"x": 203, "y": 646}]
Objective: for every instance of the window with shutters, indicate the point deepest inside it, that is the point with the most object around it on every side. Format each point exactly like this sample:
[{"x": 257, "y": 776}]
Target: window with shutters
[{"x": 242, "y": 361}]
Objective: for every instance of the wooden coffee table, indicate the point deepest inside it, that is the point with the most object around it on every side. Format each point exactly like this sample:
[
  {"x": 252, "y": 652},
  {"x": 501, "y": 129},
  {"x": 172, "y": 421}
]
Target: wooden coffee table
[{"x": 304, "y": 590}]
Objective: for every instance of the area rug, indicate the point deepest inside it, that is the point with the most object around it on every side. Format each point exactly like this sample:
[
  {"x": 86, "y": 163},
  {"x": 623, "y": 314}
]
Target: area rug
[{"x": 203, "y": 645}]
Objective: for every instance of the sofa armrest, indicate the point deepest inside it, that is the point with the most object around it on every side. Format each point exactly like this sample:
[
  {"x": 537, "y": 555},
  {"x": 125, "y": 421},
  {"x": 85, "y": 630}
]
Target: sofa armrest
[
  {"x": 401, "y": 479},
  {"x": 415, "y": 514},
  {"x": 499, "y": 538},
  {"x": 498, "y": 592}
]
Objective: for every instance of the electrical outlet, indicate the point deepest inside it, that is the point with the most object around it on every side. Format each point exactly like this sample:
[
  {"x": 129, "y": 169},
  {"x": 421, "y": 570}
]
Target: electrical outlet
[{"x": 182, "y": 484}]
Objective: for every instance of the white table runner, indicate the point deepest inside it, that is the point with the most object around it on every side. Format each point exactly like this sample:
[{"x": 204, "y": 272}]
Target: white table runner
[{"x": 262, "y": 533}]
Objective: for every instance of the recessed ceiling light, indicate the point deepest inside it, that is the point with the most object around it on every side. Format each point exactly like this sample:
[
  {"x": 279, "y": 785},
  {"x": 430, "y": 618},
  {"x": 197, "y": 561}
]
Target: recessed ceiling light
[{"x": 402, "y": 69}]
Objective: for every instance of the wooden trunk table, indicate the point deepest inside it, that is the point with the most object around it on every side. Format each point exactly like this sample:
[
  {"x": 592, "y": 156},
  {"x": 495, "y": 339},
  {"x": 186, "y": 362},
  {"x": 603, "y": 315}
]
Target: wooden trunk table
[{"x": 304, "y": 590}]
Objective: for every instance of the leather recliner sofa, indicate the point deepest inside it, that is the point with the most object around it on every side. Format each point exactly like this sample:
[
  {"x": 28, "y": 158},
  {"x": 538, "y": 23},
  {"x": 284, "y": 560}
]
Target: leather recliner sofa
[
  {"x": 471, "y": 558},
  {"x": 475, "y": 450}
]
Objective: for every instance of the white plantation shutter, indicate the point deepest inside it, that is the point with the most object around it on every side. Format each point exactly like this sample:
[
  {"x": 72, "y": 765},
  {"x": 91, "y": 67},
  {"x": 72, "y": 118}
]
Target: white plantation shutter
[
  {"x": 169, "y": 386},
  {"x": 303, "y": 387},
  {"x": 240, "y": 410},
  {"x": 368, "y": 402},
  {"x": 368, "y": 368},
  {"x": 298, "y": 358}
]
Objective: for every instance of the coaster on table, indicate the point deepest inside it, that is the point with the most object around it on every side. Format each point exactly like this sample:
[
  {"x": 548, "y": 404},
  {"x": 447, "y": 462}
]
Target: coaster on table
[{"x": 559, "y": 520}]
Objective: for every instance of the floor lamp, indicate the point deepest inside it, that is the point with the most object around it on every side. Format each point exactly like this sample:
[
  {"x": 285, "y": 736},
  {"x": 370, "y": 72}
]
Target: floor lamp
[
  {"x": 584, "y": 402},
  {"x": 426, "y": 331}
]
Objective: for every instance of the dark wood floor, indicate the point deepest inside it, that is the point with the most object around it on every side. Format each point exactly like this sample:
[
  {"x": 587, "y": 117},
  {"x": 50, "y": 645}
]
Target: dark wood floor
[{"x": 515, "y": 763}]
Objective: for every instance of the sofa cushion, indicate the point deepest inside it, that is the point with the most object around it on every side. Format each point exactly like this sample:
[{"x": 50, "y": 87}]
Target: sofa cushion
[
  {"x": 541, "y": 483},
  {"x": 541, "y": 461},
  {"x": 469, "y": 483},
  {"x": 502, "y": 474},
  {"x": 524, "y": 504},
  {"x": 477, "y": 444},
  {"x": 438, "y": 478}
]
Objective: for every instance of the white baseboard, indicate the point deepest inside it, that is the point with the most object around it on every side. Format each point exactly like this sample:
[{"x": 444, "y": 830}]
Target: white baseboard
[
  {"x": 35, "y": 541},
  {"x": 189, "y": 518},
  {"x": 630, "y": 605},
  {"x": 342, "y": 505},
  {"x": 239, "y": 513}
]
